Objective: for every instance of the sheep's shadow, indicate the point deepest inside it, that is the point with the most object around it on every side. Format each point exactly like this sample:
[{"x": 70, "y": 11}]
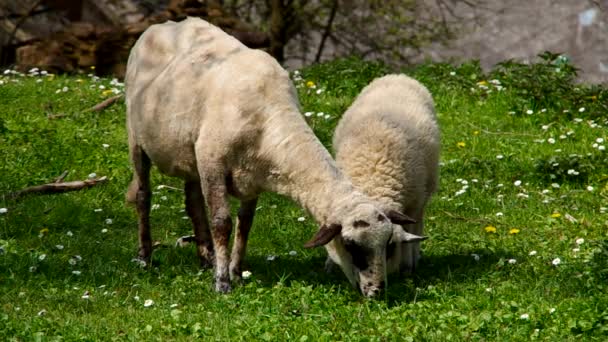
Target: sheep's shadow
[
  {"x": 464, "y": 267},
  {"x": 402, "y": 287}
]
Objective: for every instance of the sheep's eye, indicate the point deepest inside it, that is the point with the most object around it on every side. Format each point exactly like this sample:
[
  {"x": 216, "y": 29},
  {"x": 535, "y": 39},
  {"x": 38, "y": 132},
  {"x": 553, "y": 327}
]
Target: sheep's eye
[
  {"x": 380, "y": 218},
  {"x": 360, "y": 224},
  {"x": 358, "y": 253}
]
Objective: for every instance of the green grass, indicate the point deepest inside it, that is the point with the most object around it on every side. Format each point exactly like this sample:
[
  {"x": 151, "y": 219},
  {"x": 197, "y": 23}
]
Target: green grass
[{"x": 452, "y": 297}]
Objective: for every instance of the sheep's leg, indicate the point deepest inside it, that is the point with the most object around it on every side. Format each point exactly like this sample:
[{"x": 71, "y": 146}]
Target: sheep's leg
[
  {"x": 195, "y": 207},
  {"x": 330, "y": 265},
  {"x": 411, "y": 251},
  {"x": 213, "y": 184},
  {"x": 139, "y": 190},
  {"x": 243, "y": 225}
]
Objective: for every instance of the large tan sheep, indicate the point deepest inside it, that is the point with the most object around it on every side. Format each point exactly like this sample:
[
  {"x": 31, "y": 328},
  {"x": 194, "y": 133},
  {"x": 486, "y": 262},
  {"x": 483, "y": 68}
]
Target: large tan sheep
[{"x": 225, "y": 118}]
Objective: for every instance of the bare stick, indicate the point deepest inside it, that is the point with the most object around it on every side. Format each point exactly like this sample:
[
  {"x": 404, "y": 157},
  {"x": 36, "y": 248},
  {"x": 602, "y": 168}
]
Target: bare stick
[
  {"x": 53, "y": 188},
  {"x": 62, "y": 177},
  {"x": 104, "y": 104}
]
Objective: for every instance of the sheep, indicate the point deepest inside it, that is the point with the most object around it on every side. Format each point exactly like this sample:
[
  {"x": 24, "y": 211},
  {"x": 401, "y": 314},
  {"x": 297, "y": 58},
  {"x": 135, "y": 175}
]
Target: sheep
[
  {"x": 387, "y": 143},
  {"x": 226, "y": 119}
]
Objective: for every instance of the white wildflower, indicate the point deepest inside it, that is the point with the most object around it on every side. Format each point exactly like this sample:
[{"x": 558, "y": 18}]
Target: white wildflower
[
  {"x": 517, "y": 183},
  {"x": 301, "y": 219},
  {"x": 551, "y": 141},
  {"x": 92, "y": 175},
  {"x": 499, "y": 214},
  {"x": 500, "y": 156},
  {"x": 41, "y": 257},
  {"x": 148, "y": 303},
  {"x": 556, "y": 261},
  {"x": 580, "y": 241},
  {"x": 475, "y": 256},
  {"x": 76, "y": 273},
  {"x": 3, "y": 210},
  {"x": 293, "y": 253},
  {"x": 529, "y": 112},
  {"x": 246, "y": 274},
  {"x": 512, "y": 261},
  {"x": 109, "y": 221},
  {"x": 552, "y": 310},
  {"x": 582, "y": 109},
  {"x": 532, "y": 253},
  {"x": 524, "y": 316}
]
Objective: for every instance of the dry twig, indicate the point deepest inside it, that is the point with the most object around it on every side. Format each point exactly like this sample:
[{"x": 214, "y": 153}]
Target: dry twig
[
  {"x": 105, "y": 104},
  {"x": 58, "y": 187}
]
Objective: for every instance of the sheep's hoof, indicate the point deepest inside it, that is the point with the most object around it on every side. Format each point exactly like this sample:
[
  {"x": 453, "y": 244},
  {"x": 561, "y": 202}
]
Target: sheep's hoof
[
  {"x": 236, "y": 275},
  {"x": 206, "y": 254},
  {"x": 206, "y": 263},
  {"x": 222, "y": 286},
  {"x": 144, "y": 255}
]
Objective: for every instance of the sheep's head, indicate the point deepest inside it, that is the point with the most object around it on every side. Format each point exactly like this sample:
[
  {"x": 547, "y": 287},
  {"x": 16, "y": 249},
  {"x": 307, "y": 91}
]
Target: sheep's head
[{"x": 358, "y": 244}]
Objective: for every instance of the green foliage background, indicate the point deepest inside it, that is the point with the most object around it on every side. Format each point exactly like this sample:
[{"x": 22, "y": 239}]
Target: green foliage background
[{"x": 509, "y": 140}]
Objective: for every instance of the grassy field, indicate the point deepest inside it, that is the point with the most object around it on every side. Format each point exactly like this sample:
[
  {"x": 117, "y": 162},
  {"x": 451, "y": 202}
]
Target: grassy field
[{"x": 518, "y": 246}]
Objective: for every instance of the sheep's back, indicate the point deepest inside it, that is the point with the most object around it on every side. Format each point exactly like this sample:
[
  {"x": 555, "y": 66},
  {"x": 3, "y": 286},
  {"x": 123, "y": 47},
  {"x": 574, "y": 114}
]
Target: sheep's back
[{"x": 388, "y": 142}]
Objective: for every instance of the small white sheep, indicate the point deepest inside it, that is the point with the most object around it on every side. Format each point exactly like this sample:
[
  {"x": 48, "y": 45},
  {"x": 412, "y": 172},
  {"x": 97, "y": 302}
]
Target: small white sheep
[
  {"x": 225, "y": 118},
  {"x": 388, "y": 144}
]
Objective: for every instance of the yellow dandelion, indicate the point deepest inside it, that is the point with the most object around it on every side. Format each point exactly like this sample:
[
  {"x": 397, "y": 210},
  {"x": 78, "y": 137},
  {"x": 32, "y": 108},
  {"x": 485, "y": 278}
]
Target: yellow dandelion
[
  {"x": 513, "y": 231},
  {"x": 310, "y": 84},
  {"x": 475, "y": 132},
  {"x": 106, "y": 92},
  {"x": 482, "y": 83},
  {"x": 461, "y": 144},
  {"x": 556, "y": 215},
  {"x": 44, "y": 231},
  {"x": 92, "y": 67},
  {"x": 79, "y": 80},
  {"x": 490, "y": 229}
]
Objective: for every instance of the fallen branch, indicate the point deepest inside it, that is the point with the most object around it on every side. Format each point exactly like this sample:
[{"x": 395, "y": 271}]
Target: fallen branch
[
  {"x": 58, "y": 187},
  {"x": 104, "y": 104},
  {"x": 62, "y": 177}
]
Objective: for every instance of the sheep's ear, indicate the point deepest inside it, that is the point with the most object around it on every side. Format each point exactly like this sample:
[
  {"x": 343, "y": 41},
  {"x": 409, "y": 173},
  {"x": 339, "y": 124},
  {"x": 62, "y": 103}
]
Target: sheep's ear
[
  {"x": 400, "y": 235},
  {"x": 399, "y": 218},
  {"x": 324, "y": 235}
]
